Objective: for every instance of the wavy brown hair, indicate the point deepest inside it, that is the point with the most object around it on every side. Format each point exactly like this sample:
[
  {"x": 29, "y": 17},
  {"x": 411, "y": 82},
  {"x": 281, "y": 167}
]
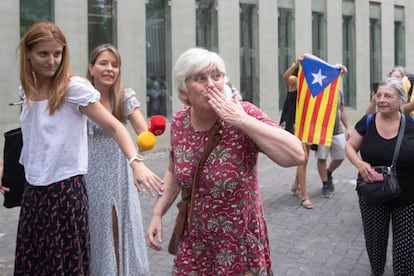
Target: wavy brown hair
[
  {"x": 116, "y": 91},
  {"x": 44, "y": 32}
]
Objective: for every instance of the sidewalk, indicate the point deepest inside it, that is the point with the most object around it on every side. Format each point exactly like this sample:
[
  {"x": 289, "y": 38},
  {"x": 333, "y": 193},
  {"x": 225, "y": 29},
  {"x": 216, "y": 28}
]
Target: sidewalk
[{"x": 327, "y": 240}]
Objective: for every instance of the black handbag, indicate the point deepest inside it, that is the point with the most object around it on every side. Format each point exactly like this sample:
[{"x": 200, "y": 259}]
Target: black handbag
[
  {"x": 13, "y": 171},
  {"x": 379, "y": 192}
]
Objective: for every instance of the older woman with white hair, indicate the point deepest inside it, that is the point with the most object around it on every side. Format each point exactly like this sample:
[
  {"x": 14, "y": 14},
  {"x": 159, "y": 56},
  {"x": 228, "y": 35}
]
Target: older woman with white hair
[
  {"x": 225, "y": 231},
  {"x": 376, "y": 141}
]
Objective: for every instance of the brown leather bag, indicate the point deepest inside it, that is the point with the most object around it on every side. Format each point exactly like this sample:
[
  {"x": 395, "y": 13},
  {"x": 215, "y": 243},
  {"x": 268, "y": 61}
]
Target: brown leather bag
[{"x": 188, "y": 193}]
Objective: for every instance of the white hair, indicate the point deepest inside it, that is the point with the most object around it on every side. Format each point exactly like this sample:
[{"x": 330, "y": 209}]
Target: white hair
[{"x": 192, "y": 61}]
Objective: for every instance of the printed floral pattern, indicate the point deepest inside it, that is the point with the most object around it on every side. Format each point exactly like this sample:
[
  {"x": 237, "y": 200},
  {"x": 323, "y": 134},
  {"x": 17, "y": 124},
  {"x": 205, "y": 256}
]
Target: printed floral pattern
[
  {"x": 53, "y": 237},
  {"x": 229, "y": 234},
  {"x": 109, "y": 184}
]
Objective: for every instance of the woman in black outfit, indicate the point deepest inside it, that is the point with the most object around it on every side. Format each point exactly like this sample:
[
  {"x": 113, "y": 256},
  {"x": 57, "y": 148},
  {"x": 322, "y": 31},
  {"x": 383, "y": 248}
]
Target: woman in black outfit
[{"x": 376, "y": 142}]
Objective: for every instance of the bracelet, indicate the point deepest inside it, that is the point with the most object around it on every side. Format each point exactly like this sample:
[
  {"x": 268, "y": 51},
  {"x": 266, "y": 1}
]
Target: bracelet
[{"x": 137, "y": 157}]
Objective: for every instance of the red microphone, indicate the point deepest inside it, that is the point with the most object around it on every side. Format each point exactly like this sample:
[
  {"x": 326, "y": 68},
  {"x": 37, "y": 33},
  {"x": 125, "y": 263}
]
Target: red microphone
[{"x": 156, "y": 124}]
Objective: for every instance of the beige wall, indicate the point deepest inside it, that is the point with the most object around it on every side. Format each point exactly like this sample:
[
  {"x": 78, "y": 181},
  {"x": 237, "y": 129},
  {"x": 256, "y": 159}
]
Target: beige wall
[
  {"x": 268, "y": 58},
  {"x": 74, "y": 23},
  {"x": 9, "y": 71},
  {"x": 183, "y": 34},
  {"x": 362, "y": 58},
  {"x": 71, "y": 16},
  {"x": 132, "y": 46},
  {"x": 409, "y": 37},
  {"x": 229, "y": 37}
]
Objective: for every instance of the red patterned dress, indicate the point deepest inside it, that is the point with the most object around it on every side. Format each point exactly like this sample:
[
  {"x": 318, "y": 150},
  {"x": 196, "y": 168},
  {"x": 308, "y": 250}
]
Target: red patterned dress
[{"x": 229, "y": 233}]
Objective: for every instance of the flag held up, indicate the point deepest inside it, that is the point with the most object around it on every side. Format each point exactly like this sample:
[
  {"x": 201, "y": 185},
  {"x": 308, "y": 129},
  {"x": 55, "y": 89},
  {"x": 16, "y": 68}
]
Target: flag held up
[{"x": 317, "y": 100}]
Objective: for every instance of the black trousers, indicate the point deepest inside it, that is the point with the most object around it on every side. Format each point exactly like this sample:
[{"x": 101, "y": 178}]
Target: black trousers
[{"x": 376, "y": 221}]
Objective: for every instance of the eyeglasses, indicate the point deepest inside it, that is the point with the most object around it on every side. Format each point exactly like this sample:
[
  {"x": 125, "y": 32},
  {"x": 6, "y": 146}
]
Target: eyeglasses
[
  {"x": 386, "y": 96},
  {"x": 203, "y": 78}
]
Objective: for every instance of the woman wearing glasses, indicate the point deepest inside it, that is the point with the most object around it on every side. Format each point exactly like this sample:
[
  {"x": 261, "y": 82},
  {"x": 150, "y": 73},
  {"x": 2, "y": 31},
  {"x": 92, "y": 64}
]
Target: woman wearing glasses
[
  {"x": 372, "y": 143},
  {"x": 227, "y": 232}
]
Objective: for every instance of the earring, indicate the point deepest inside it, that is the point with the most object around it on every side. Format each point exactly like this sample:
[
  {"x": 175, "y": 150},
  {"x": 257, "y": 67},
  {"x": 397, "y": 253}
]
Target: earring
[{"x": 34, "y": 78}]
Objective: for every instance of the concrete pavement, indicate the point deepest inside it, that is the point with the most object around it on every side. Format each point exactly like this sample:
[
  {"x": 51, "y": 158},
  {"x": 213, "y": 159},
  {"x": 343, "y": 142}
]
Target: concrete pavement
[{"x": 327, "y": 240}]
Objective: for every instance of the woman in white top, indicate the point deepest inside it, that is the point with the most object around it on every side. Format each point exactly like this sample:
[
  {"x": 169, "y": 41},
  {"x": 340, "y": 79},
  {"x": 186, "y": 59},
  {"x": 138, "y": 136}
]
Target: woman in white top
[{"x": 53, "y": 235}]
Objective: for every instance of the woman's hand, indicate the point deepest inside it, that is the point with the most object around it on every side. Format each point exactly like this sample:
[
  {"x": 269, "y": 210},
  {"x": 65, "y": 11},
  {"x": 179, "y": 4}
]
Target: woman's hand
[
  {"x": 161, "y": 206},
  {"x": 2, "y": 188},
  {"x": 143, "y": 176},
  {"x": 344, "y": 70},
  {"x": 230, "y": 111},
  {"x": 367, "y": 172},
  {"x": 154, "y": 233}
]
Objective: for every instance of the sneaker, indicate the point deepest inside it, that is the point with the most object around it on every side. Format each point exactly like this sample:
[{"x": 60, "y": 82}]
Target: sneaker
[
  {"x": 326, "y": 190},
  {"x": 330, "y": 182}
]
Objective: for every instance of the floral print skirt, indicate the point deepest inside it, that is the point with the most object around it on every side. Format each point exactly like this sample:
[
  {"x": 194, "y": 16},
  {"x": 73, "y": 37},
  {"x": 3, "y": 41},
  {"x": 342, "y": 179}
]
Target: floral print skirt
[{"x": 53, "y": 235}]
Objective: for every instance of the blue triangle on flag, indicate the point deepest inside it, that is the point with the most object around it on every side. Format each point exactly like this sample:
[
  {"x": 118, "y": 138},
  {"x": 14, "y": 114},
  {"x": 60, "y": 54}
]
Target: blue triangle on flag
[{"x": 318, "y": 73}]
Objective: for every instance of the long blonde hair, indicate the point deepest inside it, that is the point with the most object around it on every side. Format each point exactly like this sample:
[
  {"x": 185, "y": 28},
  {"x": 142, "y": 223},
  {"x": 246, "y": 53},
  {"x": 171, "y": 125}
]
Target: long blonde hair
[
  {"x": 116, "y": 91},
  {"x": 44, "y": 32}
]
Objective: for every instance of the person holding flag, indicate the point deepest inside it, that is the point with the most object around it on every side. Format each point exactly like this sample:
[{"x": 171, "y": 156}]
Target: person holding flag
[
  {"x": 317, "y": 108},
  {"x": 317, "y": 100},
  {"x": 288, "y": 122},
  {"x": 336, "y": 150}
]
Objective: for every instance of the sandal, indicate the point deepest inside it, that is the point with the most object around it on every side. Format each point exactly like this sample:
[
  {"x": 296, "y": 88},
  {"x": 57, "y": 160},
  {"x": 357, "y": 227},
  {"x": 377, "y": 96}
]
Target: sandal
[
  {"x": 295, "y": 189},
  {"x": 306, "y": 203}
]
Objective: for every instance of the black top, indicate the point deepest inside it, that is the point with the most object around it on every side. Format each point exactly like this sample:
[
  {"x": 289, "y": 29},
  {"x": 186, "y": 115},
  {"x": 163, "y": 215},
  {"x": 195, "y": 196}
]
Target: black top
[
  {"x": 379, "y": 151},
  {"x": 287, "y": 119}
]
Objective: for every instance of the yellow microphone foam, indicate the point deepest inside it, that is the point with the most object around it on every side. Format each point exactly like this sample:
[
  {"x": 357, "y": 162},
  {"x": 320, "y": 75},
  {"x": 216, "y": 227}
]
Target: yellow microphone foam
[{"x": 146, "y": 140}]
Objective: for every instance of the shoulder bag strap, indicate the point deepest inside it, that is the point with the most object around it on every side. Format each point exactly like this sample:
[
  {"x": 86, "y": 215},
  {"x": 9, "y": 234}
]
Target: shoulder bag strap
[
  {"x": 368, "y": 120},
  {"x": 398, "y": 144},
  {"x": 214, "y": 138}
]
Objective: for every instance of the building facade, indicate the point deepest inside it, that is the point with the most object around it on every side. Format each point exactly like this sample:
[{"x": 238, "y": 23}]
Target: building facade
[{"x": 258, "y": 40}]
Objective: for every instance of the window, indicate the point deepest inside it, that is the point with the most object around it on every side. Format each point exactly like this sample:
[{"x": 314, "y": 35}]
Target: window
[
  {"x": 348, "y": 54},
  {"x": 206, "y": 24},
  {"x": 249, "y": 75},
  {"x": 286, "y": 40},
  {"x": 101, "y": 23},
  {"x": 399, "y": 36},
  {"x": 32, "y": 11},
  {"x": 375, "y": 42},
  {"x": 158, "y": 41}
]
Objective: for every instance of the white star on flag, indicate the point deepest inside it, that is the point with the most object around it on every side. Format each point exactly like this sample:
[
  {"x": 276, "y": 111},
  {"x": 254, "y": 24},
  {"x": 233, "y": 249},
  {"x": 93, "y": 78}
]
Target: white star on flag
[{"x": 318, "y": 78}]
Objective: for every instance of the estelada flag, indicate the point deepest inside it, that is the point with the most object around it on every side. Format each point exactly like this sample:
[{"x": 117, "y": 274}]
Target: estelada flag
[{"x": 317, "y": 100}]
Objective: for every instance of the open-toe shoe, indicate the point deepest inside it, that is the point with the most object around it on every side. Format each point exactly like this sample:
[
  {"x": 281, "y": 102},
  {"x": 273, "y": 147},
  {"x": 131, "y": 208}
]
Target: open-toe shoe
[
  {"x": 295, "y": 189},
  {"x": 306, "y": 203}
]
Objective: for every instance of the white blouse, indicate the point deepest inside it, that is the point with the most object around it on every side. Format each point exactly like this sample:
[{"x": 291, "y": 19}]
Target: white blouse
[{"x": 55, "y": 147}]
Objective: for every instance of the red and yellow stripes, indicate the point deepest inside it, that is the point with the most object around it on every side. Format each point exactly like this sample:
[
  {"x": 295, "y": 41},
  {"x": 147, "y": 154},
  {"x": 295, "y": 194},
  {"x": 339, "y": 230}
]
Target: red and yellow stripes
[{"x": 315, "y": 116}]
